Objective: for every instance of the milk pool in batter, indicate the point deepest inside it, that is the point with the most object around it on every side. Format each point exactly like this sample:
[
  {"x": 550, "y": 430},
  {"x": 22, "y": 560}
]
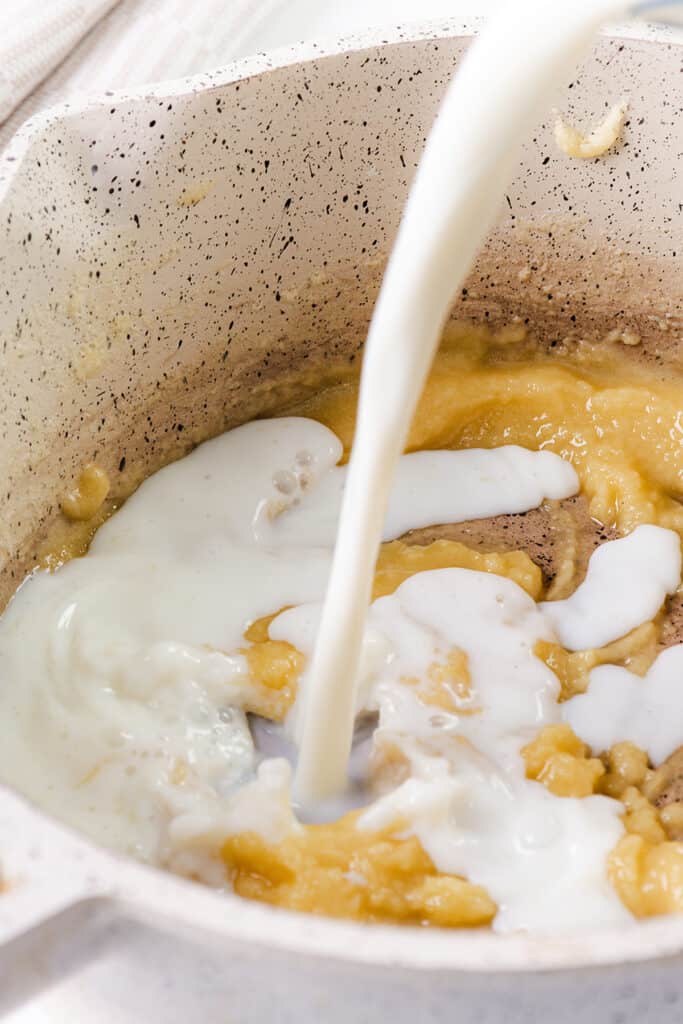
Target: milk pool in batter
[{"x": 523, "y": 771}]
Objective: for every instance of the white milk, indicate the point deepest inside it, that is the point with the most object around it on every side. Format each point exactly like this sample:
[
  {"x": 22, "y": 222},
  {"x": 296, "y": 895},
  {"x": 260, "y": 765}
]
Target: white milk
[
  {"x": 596, "y": 613},
  {"x": 620, "y": 705},
  {"x": 124, "y": 679},
  {"x": 506, "y": 80},
  {"x": 124, "y": 676},
  {"x": 123, "y": 668},
  {"x": 541, "y": 857}
]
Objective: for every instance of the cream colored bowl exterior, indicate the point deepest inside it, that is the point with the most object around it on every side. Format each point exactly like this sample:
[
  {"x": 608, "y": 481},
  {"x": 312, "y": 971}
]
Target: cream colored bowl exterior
[{"x": 168, "y": 259}]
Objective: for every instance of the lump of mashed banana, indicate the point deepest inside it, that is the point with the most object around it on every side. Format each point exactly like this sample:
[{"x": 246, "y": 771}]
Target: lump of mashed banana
[{"x": 573, "y": 143}]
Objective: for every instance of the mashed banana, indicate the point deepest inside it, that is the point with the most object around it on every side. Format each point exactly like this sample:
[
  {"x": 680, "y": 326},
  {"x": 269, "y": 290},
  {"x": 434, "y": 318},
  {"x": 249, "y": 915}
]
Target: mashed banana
[
  {"x": 344, "y": 871},
  {"x": 621, "y": 429},
  {"x": 88, "y": 496},
  {"x": 274, "y": 665},
  {"x": 636, "y": 651},
  {"x": 620, "y": 426},
  {"x": 574, "y": 143},
  {"x": 623, "y": 434},
  {"x": 559, "y": 760},
  {"x": 646, "y": 866}
]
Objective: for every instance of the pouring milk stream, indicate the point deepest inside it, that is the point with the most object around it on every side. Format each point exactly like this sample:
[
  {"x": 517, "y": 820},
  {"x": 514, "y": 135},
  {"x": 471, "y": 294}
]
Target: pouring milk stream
[{"x": 504, "y": 84}]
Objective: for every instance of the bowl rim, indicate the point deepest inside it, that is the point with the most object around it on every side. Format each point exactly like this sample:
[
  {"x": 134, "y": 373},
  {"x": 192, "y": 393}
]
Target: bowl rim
[
  {"x": 140, "y": 891},
  {"x": 263, "y": 62},
  {"x": 136, "y": 891}
]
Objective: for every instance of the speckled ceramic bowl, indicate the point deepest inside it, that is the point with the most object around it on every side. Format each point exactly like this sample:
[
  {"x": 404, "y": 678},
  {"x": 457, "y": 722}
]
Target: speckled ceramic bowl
[{"x": 169, "y": 259}]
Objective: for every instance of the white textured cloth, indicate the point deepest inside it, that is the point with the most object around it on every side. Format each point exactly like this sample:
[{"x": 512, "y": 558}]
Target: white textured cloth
[
  {"x": 35, "y": 38},
  {"x": 55, "y": 50}
]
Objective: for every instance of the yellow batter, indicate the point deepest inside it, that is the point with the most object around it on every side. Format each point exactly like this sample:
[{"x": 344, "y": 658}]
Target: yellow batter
[
  {"x": 621, "y": 427},
  {"x": 343, "y": 871}
]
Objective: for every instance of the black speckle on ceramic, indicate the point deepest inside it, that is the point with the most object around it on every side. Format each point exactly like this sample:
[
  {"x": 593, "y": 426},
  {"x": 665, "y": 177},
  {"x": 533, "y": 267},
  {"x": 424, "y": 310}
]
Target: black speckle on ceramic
[{"x": 165, "y": 258}]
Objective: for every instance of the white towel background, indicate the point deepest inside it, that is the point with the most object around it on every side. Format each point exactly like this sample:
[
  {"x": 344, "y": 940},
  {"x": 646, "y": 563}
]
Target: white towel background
[{"x": 51, "y": 50}]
